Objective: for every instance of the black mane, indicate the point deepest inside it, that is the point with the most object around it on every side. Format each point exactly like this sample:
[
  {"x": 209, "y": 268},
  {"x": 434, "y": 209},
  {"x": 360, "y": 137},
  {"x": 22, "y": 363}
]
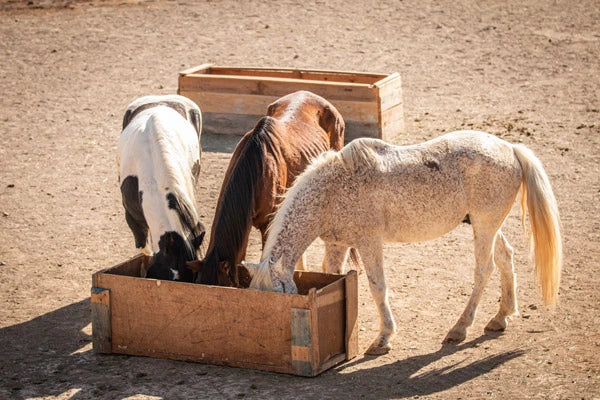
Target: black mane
[{"x": 233, "y": 217}]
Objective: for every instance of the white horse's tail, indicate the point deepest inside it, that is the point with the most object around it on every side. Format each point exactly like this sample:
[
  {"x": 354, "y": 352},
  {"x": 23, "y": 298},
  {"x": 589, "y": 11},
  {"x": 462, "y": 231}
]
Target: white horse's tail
[{"x": 544, "y": 221}]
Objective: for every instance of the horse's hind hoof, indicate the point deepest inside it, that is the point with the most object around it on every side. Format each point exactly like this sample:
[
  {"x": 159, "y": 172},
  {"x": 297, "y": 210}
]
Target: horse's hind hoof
[
  {"x": 454, "y": 337},
  {"x": 496, "y": 326},
  {"x": 379, "y": 347}
]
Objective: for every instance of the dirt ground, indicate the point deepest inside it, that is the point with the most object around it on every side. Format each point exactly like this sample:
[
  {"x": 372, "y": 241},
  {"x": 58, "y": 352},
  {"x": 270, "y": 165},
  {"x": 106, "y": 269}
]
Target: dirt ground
[{"x": 527, "y": 71}]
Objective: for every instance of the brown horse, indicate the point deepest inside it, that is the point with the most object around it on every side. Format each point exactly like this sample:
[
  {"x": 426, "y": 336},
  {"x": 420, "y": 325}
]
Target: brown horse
[{"x": 298, "y": 127}]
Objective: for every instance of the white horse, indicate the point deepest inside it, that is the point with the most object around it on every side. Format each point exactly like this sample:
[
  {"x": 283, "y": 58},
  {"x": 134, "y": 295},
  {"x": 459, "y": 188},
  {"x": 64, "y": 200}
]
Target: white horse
[
  {"x": 372, "y": 192},
  {"x": 159, "y": 163}
]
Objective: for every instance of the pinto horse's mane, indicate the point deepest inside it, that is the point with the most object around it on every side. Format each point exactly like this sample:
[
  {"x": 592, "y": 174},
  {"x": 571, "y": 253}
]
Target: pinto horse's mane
[{"x": 233, "y": 217}]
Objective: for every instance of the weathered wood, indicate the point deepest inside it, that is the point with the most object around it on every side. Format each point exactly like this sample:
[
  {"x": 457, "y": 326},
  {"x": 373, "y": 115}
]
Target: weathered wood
[
  {"x": 351, "y": 323},
  {"x": 321, "y": 75},
  {"x": 220, "y": 325},
  {"x": 302, "y": 341},
  {"x": 101, "y": 324},
  {"x": 227, "y": 92},
  {"x": 278, "y": 87},
  {"x": 331, "y": 317}
]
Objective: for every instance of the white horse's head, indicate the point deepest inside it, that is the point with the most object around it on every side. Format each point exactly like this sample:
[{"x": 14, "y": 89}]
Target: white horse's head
[{"x": 268, "y": 276}]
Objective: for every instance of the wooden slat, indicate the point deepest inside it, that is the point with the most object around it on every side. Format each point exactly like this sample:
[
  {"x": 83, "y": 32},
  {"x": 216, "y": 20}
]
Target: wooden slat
[
  {"x": 239, "y": 124},
  {"x": 278, "y": 87},
  {"x": 392, "y": 122},
  {"x": 390, "y": 92},
  {"x": 101, "y": 324},
  {"x": 351, "y": 325},
  {"x": 302, "y": 337},
  {"x": 310, "y": 74},
  {"x": 200, "y": 69},
  {"x": 331, "y": 314},
  {"x": 252, "y": 104}
]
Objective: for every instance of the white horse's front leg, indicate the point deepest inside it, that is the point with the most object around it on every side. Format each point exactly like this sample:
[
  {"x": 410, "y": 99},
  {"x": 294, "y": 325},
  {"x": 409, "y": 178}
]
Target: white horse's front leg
[{"x": 372, "y": 255}]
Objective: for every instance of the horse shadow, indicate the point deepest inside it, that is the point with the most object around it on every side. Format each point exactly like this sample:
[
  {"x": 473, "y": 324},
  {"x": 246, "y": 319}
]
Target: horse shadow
[
  {"x": 401, "y": 379},
  {"x": 219, "y": 143},
  {"x": 51, "y": 355}
]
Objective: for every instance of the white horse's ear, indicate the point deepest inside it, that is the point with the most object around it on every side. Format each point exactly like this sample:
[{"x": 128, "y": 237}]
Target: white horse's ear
[{"x": 251, "y": 268}]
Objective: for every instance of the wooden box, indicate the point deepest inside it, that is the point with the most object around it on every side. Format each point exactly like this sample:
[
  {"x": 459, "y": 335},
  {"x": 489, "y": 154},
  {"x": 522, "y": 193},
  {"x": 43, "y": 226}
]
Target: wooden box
[
  {"x": 232, "y": 99},
  {"x": 301, "y": 334}
]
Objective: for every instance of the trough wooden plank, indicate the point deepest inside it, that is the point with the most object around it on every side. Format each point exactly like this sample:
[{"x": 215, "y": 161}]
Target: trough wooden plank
[
  {"x": 392, "y": 122},
  {"x": 390, "y": 92},
  {"x": 269, "y": 86},
  {"x": 301, "y": 328},
  {"x": 331, "y": 315},
  {"x": 253, "y": 104},
  {"x": 309, "y": 74},
  {"x": 351, "y": 323},
  {"x": 101, "y": 324},
  {"x": 199, "y": 69}
]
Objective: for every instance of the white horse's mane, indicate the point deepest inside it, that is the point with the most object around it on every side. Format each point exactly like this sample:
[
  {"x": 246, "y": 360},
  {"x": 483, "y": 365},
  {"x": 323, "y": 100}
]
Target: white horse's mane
[{"x": 360, "y": 154}]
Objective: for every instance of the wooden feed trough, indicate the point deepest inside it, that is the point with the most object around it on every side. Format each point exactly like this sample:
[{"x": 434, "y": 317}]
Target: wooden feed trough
[
  {"x": 301, "y": 334},
  {"x": 232, "y": 99}
]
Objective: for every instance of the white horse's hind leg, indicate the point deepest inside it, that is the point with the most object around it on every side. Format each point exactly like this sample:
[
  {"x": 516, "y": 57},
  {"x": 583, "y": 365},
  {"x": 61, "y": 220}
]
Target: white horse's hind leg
[
  {"x": 335, "y": 258},
  {"x": 372, "y": 255},
  {"x": 503, "y": 255},
  {"x": 301, "y": 264},
  {"x": 484, "y": 265}
]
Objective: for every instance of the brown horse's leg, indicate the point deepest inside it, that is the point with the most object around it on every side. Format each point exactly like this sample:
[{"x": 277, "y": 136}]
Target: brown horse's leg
[
  {"x": 484, "y": 265},
  {"x": 503, "y": 255},
  {"x": 334, "y": 259}
]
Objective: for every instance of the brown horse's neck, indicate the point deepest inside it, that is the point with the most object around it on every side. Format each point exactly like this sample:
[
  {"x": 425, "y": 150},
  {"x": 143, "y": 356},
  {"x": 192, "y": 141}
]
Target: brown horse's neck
[{"x": 237, "y": 200}]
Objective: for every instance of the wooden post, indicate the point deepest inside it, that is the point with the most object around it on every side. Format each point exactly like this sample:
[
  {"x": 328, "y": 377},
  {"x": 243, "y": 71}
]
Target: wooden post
[
  {"x": 351, "y": 314},
  {"x": 101, "y": 329},
  {"x": 302, "y": 340}
]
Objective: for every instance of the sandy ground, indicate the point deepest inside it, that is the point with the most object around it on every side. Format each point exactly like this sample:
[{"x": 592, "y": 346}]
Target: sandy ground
[{"x": 525, "y": 71}]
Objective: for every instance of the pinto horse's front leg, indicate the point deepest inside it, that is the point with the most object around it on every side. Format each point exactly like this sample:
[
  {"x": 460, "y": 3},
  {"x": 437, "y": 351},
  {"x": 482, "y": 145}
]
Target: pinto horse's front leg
[{"x": 371, "y": 253}]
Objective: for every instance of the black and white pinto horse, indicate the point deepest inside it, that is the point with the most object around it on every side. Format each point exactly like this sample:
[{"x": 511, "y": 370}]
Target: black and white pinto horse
[{"x": 159, "y": 163}]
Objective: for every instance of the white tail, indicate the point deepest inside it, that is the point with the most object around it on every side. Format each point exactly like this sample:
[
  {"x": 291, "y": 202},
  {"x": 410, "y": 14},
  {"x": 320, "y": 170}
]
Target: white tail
[{"x": 544, "y": 222}]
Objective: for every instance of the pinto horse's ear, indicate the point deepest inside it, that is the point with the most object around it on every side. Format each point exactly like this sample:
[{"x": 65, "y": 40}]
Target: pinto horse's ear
[
  {"x": 196, "y": 265},
  {"x": 197, "y": 241},
  {"x": 195, "y": 119}
]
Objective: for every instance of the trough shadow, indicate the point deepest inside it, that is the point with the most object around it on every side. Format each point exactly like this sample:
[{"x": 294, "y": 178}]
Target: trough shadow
[
  {"x": 217, "y": 143},
  {"x": 51, "y": 356},
  {"x": 401, "y": 379}
]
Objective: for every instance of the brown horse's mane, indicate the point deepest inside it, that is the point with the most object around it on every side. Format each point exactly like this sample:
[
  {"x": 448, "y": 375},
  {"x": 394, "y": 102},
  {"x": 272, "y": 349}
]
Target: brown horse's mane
[{"x": 233, "y": 217}]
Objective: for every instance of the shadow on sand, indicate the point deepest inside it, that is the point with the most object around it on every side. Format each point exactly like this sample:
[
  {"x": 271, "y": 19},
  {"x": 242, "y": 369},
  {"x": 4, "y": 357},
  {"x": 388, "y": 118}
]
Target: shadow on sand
[{"x": 51, "y": 356}]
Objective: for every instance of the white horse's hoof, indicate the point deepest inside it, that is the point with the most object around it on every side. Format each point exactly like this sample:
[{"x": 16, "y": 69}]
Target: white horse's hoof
[
  {"x": 378, "y": 348},
  {"x": 455, "y": 336},
  {"x": 496, "y": 325}
]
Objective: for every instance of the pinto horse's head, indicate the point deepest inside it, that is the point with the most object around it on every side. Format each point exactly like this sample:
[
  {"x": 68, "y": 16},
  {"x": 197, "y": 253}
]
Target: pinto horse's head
[{"x": 169, "y": 263}]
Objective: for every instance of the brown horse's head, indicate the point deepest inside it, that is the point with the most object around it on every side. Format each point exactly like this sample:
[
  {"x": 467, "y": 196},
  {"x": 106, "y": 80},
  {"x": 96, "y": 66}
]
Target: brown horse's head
[{"x": 211, "y": 271}]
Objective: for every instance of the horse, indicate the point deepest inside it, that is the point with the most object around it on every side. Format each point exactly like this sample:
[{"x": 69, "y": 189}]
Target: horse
[
  {"x": 372, "y": 192},
  {"x": 159, "y": 163},
  {"x": 297, "y": 128}
]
